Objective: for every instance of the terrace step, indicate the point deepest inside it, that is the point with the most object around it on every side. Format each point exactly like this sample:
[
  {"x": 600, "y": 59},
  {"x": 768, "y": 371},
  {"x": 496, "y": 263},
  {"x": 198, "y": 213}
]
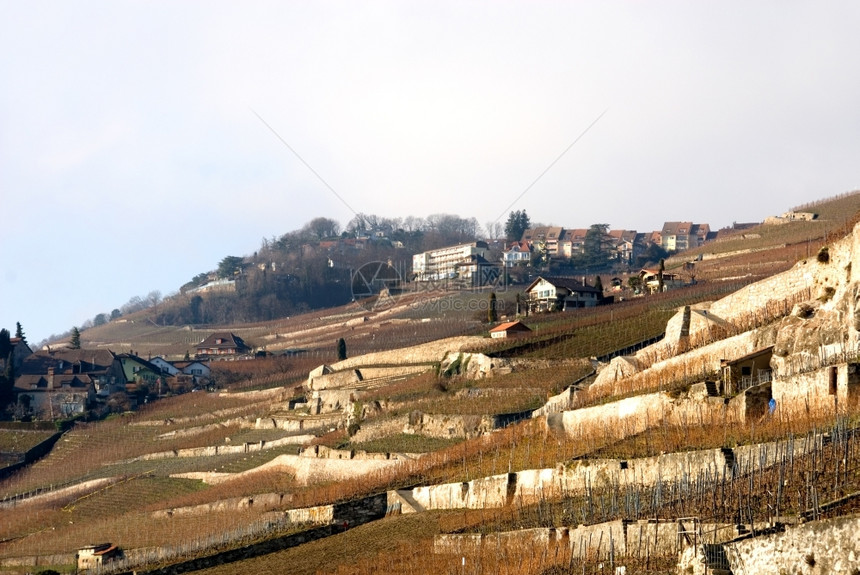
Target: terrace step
[
  {"x": 731, "y": 462},
  {"x": 711, "y": 387},
  {"x": 716, "y": 559}
]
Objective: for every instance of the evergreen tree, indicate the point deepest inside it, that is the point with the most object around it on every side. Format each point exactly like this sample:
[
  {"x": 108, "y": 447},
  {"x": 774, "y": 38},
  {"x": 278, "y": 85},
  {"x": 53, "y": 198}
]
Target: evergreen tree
[
  {"x": 7, "y": 377},
  {"x": 517, "y": 223},
  {"x": 75, "y": 342},
  {"x": 341, "y": 349},
  {"x": 598, "y": 283},
  {"x": 19, "y": 332},
  {"x": 595, "y": 249},
  {"x": 660, "y": 271},
  {"x": 492, "y": 316}
]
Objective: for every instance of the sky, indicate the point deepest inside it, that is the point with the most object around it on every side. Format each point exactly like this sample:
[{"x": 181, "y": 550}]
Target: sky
[{"x": 141, "y": 142}]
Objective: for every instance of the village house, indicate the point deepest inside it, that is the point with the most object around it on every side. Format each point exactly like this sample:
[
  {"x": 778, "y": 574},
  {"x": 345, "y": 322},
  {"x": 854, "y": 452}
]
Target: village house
[
  {"x": 519, "y": 253},
  {"x": 572, "y": 243},
  {"x": 561, "y": 294},
  {"x": 222, "y": 344},
  {"x": 680, "y": 236},
  {"x": 66, "y": 382},
  {"x": 20, "y": 350},
  {"x": 165, "y": 366},
  {"x": 546, "y": 236},
  {"x": 650, "y": 278},
  {"x": 624, "y": 245},
  {"x": 140, "y": 372},
  {"x": 197, "y": 370}
]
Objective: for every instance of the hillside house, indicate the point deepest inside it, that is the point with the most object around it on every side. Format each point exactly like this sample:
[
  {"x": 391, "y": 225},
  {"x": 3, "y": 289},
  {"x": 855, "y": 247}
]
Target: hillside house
[
  {"x": 66, "y": 382},
  {"x": 165, "y": 366},
  {"x": 95, "y": 557},
  {"x": 547, "y": 236},
  {"x": 222, "y": 344},
  {"x": 560, "y": 294},
  {"x": 651, "y": 280},
  {"x": 509, "y": 329},
  {"x": 680, "y": 236},
  {"x": 140, "y": 371},
  {"x": 572, "y": 243},
  {"x": 55, "y": 396},
  {"x": 20, "y": 350},
  {"x": 519, "y": 253},
  {"x": 194, "y": 368},
  {"x": 624, "y": 245}
]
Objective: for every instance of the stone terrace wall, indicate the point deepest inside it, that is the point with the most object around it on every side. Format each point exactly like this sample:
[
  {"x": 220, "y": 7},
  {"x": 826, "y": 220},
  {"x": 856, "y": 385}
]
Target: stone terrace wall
[
  {"x": 640, "y": 371},
  {"x": 535, "y": 485},
  {"x": 633, "y": 415},
  {"x": 427, "y": 353},
  {"x": 827, "y": 546},
  {"x": 640, "y": 538}
]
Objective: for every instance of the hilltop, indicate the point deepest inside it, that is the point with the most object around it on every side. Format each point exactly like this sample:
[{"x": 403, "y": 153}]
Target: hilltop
[{"x": 715, "y": 420}]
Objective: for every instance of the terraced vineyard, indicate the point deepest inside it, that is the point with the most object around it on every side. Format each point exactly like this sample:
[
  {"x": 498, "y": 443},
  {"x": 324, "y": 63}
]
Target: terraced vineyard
[{"x": 243, "y": 469}]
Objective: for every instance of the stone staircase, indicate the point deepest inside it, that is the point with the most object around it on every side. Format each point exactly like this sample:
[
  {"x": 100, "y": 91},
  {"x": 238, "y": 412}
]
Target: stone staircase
[
  {"x": 713, "y": 390},
  {"x": 716, "y": 560},
  {"x": 731, "y": 462}
]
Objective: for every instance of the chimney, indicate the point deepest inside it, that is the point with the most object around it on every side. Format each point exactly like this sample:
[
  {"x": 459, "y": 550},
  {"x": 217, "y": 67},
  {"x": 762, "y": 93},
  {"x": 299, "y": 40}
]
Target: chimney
[{"x": 50, "y": 378}]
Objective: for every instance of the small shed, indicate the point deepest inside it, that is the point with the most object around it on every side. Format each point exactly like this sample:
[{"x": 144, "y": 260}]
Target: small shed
[
  {"x": 509, "y": 329},
  {"x": 95, "y": 557},
  {"x": 744, "y": 372}
]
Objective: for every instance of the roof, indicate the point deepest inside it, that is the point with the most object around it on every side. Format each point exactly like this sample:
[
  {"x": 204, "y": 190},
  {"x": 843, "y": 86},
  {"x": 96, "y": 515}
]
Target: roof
[
  {"x": 511, "y": 326},
  {"x": 139, "y": 360},
  {"x": 40, "y": 382},
  {"x": 575, "y": 234},
  {"x": 520, "y": 246},
  {"x": 67, "y": 361},
  {"x": 228, "y": 341},
  {"x": 677, "y": 228},
  {"x": 542, "y": 233},
  {"x": 184, "y": 364},
  {"x": 752, "y": 355},
  {"x": 629, "y": 235},
  {"x": 571, "y": 284}
]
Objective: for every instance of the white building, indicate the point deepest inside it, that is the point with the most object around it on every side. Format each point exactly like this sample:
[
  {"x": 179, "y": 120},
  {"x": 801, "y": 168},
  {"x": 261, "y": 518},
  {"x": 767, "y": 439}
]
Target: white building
[{"x": 443, "y": 262}]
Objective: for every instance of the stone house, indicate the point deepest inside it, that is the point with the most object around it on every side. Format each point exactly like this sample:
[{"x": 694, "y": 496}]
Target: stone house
[
  {"x": 66, "y": 382},
  {"x": 95, "y": 557}
]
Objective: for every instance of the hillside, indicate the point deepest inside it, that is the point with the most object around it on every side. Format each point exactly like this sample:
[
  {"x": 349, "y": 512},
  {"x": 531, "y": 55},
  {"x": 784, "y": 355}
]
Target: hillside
[{"x": 627, "y": 435}]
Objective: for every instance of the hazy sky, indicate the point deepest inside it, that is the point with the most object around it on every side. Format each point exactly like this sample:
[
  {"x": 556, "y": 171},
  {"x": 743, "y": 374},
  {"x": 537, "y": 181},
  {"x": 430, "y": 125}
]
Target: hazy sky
[{"x": 132, "y": 158}]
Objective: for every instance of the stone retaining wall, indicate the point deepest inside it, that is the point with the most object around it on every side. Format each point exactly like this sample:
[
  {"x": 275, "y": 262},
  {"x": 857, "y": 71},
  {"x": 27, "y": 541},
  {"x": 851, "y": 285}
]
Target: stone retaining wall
[
  {"x": 827, "y": 546},
  {"x": 622, "y": 538},
  {"x": 536, "y": 485}
]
